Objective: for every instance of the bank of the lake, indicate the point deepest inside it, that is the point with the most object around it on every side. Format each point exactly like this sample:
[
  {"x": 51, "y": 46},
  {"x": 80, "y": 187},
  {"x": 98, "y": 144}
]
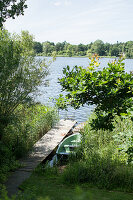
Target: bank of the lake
[{"x": 86, "y": 56}]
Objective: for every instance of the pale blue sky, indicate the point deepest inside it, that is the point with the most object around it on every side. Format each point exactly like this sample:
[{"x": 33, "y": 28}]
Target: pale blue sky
[{"x": 76, "y": 21}]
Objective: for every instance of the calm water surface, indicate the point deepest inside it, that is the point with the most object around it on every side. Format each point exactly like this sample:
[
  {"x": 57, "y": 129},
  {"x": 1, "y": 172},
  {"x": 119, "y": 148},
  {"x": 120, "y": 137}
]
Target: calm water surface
[{"x": 53, "y": 88}]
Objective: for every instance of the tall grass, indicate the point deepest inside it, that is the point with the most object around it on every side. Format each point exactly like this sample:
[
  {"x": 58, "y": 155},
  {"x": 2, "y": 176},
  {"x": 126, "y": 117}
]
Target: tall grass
[
  {"x": 28, "y": 125},
  {"x": 103, "y": 159},
  {"x": 103, "y": 173}
]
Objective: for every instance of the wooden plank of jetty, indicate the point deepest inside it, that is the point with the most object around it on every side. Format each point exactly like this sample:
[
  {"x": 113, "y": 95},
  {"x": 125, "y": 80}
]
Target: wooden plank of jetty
[
  {"x": 40, "y": 151},
  {"x": 79, "y": 127}
]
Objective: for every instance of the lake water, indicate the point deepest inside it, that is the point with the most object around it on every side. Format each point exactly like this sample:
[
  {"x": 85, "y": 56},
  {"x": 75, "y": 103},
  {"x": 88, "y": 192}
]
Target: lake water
[{"x": 53, "y": 88}]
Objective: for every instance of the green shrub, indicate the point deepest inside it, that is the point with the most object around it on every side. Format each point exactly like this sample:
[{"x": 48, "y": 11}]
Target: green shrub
[
  {"x": 30, "y": 124},
  {"x": 103, "y": 160},
  {"x": 19, "y": 196},
  {"x": 101, "y": 172},
  {"x": 20, "y": 73},
  {"x": 118, "y": 142},
  {"x": 7, "y": 161},
  {"x": 22, "y": 132}
]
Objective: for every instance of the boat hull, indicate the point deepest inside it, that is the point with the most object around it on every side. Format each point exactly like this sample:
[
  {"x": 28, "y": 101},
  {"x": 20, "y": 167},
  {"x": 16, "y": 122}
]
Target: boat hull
[{"x": 68, "y": 145}]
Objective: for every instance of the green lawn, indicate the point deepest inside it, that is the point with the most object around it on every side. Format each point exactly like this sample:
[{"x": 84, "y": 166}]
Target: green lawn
[{"x": 41, "y": 187}]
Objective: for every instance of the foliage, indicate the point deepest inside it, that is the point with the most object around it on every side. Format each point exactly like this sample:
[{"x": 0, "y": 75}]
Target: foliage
[
  {"x": 114, "y": 51},
  {"x": 97, "y": 47},
  {"x": 7, "y": 161},
  {"x": 109, "y": 89},
  {"x": 125, "y": 141},
  {"x": 116, "y": 142},
  {"x": 38, "y": 47},
  {"x": 21, "y": 121},
  {"x": 48, "y": 48},
  {"x": 19, "y": 196},
  {"x": 20, "y": 72},
  {"x": 101, "y": 172},
  {"x": 47, "y": 185},
  {"x": 27, "y": 127},
  {"x": 10, "y": 9},
  {"x": 101, "y": 161},
  {"x": 124, "y": 138},
  {"x": 29, "y": 124}
]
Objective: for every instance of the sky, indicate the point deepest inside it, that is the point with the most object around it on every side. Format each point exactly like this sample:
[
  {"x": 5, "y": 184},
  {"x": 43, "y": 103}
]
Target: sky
[{"x": 76, "y": 21}]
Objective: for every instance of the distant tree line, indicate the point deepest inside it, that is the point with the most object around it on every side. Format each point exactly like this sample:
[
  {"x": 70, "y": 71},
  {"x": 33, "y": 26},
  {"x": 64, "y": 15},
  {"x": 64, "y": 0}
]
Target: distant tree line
[{"x": 99, "y": 47}]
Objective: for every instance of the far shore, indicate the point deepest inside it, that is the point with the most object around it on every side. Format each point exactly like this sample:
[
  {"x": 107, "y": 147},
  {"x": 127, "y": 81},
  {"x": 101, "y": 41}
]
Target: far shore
[
  {"x": 77, "y": 56},
  {"x": 80, "y": 56}
]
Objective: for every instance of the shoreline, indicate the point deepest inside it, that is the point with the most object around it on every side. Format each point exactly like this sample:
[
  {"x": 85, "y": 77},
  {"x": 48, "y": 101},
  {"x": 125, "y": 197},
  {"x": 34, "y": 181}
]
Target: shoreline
[{"x": 61, "y": 56}]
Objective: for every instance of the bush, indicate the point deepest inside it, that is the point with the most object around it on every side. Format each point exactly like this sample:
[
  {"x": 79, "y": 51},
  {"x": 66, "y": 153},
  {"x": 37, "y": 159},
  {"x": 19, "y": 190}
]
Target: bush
[
  {"x": 7, "y": 161},
  {"x": 103, "y": 161},
  {"x": 20, "y": 73},
  {"x": 29, "y": 125},
  {"x": 101, "y": 172},
  {"x": 118, "y": 142},
  {"x": 22, "y": 132}
]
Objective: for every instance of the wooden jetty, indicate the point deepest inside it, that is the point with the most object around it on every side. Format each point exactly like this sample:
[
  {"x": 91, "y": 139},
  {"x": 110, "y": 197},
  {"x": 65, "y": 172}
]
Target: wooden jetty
[
  {"x": 79, "y": 127},
  {"x": 40, "y": 151}
]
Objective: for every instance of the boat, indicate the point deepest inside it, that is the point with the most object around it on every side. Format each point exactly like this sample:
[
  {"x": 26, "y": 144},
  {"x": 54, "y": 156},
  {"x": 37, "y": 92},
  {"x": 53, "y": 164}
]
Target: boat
[{"x": 68, "y": 145}]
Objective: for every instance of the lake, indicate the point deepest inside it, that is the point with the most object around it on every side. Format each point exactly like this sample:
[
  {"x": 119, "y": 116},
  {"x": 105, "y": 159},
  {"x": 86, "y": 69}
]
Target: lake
[{"x": 53, "y": 88}]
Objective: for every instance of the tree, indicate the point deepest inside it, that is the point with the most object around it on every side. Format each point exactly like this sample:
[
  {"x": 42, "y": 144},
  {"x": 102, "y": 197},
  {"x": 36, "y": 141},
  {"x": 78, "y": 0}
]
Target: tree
[
  {"x": 115, "y": 51},
  {"x": 48, "y": 48},
  {"x": 129, "y": 49},
  {"x": 20, "y": 73},
  {"x": 69, "y": 50},
  {"x": 109, "y": 89},
  {"x": 10, "y": 9},
  {"x": 82, "y": 49},
  {"x": 98, "y": 47},
  {"x": 38, "y": 47},
  {"x": 107, "y": 48},
  {"x": 59, "y": 46}
]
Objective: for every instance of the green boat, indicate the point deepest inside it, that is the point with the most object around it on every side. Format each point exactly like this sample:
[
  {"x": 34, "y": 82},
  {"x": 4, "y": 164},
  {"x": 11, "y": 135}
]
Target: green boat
[{"x": 68, "y": 145}]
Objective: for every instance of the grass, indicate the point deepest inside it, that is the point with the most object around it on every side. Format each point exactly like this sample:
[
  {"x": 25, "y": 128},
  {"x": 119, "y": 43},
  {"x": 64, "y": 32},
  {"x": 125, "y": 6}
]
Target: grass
[
  {"x": 48, "y": 185},
  {"x": 99, "y": 171},
  {"x": 102, "y": 160},
  {"x": 28, "y": 124},
  {"x": 105, "y": 142}
]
